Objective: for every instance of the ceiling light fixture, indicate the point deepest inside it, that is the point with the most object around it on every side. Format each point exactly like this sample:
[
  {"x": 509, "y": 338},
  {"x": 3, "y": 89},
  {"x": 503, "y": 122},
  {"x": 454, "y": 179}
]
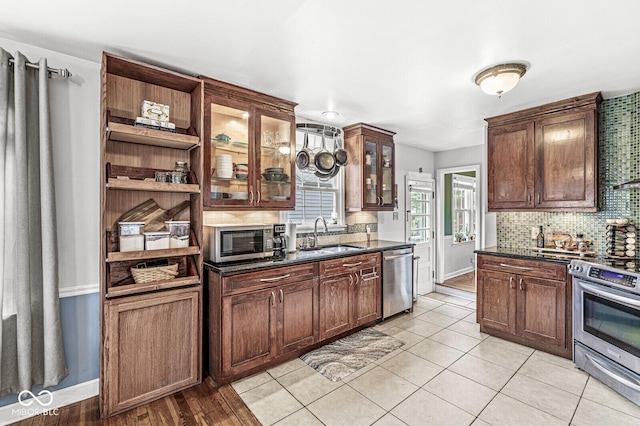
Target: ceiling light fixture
[
  {"x": 499, "y": 79},
  {"x": 330, "y": 114}
]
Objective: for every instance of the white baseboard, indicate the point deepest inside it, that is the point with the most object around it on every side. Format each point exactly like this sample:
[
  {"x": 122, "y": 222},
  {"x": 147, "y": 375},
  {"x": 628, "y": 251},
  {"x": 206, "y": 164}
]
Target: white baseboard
[
  {"x": 458, "y": 273},
  {"x": 455, "y": 292},
  {"x": 63, "y": 397}
]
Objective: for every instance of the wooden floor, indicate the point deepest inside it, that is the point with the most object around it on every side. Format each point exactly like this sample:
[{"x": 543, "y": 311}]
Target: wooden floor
[
  {"x": 466, "y": 282},
  {"x": 204, "y": 404}
]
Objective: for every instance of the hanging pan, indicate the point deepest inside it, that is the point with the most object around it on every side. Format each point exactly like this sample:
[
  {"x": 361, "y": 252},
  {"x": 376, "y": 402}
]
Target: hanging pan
[
  {"x": 303, "y": 158},
  {"x": 324, "y": 160},
  {"x": 342, "y": 159}
]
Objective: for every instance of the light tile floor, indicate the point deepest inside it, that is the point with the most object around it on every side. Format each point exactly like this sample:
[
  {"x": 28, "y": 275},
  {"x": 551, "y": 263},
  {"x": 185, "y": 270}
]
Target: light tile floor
[{"x": 447, "y": 373}]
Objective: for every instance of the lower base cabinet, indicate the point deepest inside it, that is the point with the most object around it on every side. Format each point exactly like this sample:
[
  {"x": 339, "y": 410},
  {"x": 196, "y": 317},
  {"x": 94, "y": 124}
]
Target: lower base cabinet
[
  {"x": 525, "y": 301},
  {"x": 257, "y": 319},
  {"x": 259, "y": 326},
  {"x": 350, "y": 293},
  {"x": 150, "y": 347}
]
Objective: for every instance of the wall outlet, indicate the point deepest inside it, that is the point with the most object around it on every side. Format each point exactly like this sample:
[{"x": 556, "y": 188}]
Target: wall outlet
[{"x": 534, "y": 232}]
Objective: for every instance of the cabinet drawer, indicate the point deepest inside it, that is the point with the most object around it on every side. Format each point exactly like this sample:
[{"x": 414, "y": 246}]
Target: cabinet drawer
[
  {"x": 268, "y": 278},
  {"x": 349, "y": 264},
  {"x": 534, "y": 268}
]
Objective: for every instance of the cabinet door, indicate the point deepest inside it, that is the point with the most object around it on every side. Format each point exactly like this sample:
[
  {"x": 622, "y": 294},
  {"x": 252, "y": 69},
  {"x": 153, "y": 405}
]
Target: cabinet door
[
  {"x": 367, "y": 301},
  {"x": 152, "y": 347},
  {"x": 248, "y": 330},
  {"x": 298, "y": 315},
  {"x": 566, "y": 168},
  {"x": 275, "y": 165},
  {"x": 227, "y": 143},
  {"x": 542, "y": 310},
  {"x": 510, "y": 166},
  {"x": 335, "y": 295},
  {"x": 370, "y": 192},
  {"x": 387, "y": 178},
  {"x": 496, "y": 294}
]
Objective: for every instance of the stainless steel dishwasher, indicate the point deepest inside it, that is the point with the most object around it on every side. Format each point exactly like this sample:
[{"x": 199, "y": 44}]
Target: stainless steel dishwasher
[{"x": 397, "y": 281}]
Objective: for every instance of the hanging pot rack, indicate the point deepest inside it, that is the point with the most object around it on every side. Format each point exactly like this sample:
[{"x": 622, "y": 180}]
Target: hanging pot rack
[{"x": 325, "y": 131}]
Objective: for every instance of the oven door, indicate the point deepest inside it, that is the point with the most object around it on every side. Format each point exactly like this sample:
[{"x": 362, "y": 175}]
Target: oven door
[{"x": 607, "y": 320}]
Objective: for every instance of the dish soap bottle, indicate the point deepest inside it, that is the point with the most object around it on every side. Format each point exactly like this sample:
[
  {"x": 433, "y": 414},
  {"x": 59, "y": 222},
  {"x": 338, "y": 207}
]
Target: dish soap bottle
[{"x": 540, "y": 238}]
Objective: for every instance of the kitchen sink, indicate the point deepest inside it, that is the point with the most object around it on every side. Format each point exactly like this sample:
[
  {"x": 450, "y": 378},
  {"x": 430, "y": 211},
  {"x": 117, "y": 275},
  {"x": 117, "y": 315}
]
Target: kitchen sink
[{"x": 332, "y": 249}]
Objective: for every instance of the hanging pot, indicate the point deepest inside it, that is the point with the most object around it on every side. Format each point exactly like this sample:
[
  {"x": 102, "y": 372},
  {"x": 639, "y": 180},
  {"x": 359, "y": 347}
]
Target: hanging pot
[
  {"x": 303, "y": 158},
  {"x": 324, "y": 160},
  {"x": 333, "y": 174},
  {"x": 342, "y": 159}
]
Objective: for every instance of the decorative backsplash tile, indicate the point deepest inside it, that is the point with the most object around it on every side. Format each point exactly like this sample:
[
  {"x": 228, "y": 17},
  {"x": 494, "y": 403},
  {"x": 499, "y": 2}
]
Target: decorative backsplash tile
[{"x": 619, "y": 161}]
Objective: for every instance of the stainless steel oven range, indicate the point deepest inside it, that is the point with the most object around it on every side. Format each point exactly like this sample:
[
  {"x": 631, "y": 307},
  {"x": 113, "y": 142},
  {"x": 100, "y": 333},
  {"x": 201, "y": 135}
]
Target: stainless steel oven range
[{"x": 606, "y": 325}]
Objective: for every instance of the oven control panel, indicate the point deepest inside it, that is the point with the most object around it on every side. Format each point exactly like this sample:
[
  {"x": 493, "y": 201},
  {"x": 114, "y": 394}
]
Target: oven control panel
[{"x": 613, "y": 277}]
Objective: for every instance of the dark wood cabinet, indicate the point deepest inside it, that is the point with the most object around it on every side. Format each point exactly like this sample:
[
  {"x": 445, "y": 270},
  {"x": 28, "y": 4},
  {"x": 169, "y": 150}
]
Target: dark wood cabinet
[
  {"x": 259, "y": 319},
  {"x": 258, "y": 326},
  {"x": 350, "y": 293},
  {"x": 545, "y": 158},
  {"x": 153, "y": 347},
  {"x": 370, "y": 174},
  {"x": 526, "y": 301},
  {"x": 253, "y": 130},
  {"x": 150, "y": 334}
]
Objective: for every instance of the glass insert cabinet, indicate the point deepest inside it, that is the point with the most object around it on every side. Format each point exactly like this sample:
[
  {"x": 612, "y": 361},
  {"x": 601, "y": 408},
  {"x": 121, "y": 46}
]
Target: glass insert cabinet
[
  {"x": 370, "y": 181},
  {"x": 249, "y": 149}
]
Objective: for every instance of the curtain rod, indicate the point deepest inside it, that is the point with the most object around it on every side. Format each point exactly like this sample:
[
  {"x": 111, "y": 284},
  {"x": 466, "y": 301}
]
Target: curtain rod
[{"x": 62, "y": 72}]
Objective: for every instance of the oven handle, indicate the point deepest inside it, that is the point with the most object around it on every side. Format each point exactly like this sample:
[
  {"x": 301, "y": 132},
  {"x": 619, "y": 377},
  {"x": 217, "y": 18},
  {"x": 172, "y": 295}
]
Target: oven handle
[
  {"x": 620, "y": 379},
  {"x": 610, "y": 296}
]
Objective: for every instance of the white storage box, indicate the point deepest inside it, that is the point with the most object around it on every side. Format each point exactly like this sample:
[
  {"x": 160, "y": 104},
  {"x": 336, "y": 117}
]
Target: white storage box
[
  {"x": 156, "y": 240},
  {"x": 130, "y": 236},
  {"x": 178, "y": 233}
]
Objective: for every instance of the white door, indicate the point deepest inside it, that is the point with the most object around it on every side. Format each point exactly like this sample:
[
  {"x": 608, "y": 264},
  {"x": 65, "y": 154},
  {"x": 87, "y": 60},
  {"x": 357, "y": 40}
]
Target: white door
[{"x": 420, "y": 225}]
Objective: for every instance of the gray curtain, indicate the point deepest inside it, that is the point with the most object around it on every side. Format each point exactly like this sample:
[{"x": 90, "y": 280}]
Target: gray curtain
[{"x": 31, "y": 350}]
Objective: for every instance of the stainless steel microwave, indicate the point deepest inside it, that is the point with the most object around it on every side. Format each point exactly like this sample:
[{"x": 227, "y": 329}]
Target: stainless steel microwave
[{"x": 240, "y": 242}]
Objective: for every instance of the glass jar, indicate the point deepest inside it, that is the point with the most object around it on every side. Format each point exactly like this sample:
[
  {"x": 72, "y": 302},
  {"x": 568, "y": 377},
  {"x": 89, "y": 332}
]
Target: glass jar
[{"x": 180, "y": 173}]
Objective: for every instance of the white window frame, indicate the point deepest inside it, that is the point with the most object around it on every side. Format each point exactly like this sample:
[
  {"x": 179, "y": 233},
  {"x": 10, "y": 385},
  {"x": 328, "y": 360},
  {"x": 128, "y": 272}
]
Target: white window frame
[{"x": 469, "y": 213}]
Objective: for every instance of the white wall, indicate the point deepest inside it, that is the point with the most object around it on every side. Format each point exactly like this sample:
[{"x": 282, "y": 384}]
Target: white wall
[
  {"x": 75, "y": 123},
  {"x": 466, "y": 157},
  {"x": 408, "y": 159},
  {"x": 459, "y": 258}
]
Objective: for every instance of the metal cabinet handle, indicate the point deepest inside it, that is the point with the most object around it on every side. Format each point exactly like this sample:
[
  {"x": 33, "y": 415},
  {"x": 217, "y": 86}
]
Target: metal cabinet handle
[
  {"x": 350, "y": 280},
  {"x": 511, "y": 283},
  {"x": 273, "y": 299},
  {"x": 538, "y": 198},
  {"x": 281, "y": 296},
  {"x": 369, "y": 277},
  {"x": 522, "y": 268},
  {"x": 357, "y": 278},
  {"x": 529, "y": 199},
  {"x": 258, "y": 199},
  {"x": 251, "y": 196},
  {"x": 351, "y": 265},
  {"x": 521, "y": 284},
  {"x": 270, "y": 280},
  {"x": 382, "y": 200}
]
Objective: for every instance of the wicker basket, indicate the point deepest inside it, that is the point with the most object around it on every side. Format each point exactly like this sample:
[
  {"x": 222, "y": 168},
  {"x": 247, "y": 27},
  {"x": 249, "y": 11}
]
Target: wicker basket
[{"x": 159, "y": 273}]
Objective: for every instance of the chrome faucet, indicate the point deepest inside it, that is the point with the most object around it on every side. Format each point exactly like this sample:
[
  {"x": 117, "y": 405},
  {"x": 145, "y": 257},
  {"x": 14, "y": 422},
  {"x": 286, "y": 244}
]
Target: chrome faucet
[{"x": 315, "y": 229}]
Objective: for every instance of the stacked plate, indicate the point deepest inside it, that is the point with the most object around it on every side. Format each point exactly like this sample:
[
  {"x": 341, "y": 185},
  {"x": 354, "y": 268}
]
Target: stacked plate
[{"x": 224, "y": 166}]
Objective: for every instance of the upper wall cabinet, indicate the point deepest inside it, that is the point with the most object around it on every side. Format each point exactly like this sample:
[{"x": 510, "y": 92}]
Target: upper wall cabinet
[
  {"x": 545, "y": 158},
  {"x": 370, "y": 174},
  {"x": 249, "y": 149}
]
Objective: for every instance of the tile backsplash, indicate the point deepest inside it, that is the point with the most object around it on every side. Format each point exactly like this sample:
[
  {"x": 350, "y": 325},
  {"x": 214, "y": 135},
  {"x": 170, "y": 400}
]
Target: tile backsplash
[{"x": 619, "y": 161}]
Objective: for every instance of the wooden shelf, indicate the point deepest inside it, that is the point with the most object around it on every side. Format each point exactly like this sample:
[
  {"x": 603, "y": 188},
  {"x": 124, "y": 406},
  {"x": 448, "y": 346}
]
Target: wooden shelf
[
  {"x": 129, "y": 289},
  {"x": 141, "y": 185},
  {"x": 123, "y": 256},
  {"x": 140, "y": 135}
]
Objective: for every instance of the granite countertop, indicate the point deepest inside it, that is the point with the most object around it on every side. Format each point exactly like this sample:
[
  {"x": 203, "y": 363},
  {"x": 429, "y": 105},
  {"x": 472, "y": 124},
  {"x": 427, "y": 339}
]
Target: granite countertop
[
  {"x": 527, "y": 253},
  {"x": 304, "y": 257}
]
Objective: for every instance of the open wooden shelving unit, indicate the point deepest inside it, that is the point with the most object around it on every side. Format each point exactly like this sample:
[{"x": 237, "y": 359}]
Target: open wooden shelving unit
[{"x": 145, "y": 325}]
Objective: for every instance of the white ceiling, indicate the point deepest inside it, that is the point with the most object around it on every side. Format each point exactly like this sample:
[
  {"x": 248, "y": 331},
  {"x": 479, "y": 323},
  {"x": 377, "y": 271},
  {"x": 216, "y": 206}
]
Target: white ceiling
[{"x": 403, "y": 65}]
